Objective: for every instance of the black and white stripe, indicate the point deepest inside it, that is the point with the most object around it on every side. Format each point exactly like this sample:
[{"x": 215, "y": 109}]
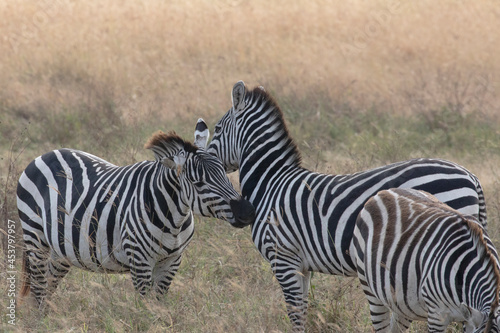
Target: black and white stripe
[
  {"x": 423, "y": 260},
  {"x": 78, "y": 210},
  {"x": 305, "y": 219}
]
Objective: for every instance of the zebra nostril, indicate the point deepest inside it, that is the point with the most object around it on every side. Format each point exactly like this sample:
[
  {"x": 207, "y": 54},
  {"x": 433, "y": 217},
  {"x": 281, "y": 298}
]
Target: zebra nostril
[{"x": 243, "y": 211}]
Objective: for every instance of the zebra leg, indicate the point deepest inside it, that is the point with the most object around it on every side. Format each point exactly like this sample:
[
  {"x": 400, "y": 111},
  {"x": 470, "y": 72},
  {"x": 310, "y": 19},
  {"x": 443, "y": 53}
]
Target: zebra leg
[
  {"x": 164, "y": 273},
  {"x": 399, "y": 323},
  {"x": 379, "y": 313},
  {"x": 436, "y": 323},
  {"x": 38, "y": 260},
  {"x": 295, "y": 286},
  {"x": 306, "y": 282},
  {"x": 58, "y": 268},
  {"x": 141, "y": 271},
  {"x": 141, "y": 278}
]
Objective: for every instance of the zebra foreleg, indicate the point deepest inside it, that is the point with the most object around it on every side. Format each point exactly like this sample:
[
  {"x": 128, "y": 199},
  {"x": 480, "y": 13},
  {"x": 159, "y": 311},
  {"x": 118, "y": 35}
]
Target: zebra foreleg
[
  {"x": 436, "y": 322},
  {"x": 141, "y": 278},
  {"x": 381, "y": 317},
  {"x": 141, "y": 272},
  {"x": 295, "y": 286},
  {"x": 140, "y": 269},
  {"x": 379, "y": 313},
  {"x": 164, "y": 273}
]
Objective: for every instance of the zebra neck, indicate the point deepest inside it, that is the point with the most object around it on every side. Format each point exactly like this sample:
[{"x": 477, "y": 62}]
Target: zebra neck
[
  {"x": 263, "y": 162},
  {"x": 266, "y": 148},
  {"x": 169, "y": 208}
]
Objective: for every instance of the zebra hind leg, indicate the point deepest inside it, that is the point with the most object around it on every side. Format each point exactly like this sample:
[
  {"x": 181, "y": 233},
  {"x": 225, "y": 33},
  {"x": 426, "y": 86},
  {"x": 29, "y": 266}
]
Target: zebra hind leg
[
  {"x": 58, "y": 268},
  {"x": 37, "y": 274}
]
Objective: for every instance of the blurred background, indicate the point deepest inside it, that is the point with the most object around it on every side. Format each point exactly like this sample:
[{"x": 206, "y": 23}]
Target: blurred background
[{"x": 361, "y": 84}]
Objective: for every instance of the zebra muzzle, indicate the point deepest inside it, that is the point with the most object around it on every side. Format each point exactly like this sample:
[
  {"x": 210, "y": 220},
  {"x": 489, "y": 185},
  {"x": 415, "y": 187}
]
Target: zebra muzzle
[{"x": 243, "y": 211}]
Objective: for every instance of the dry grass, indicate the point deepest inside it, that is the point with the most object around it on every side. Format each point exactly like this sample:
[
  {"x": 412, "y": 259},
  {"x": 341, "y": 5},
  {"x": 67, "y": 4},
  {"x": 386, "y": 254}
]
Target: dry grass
[
  {"x": 102, "y": 76},
  {"x": 182, "y": 59}
]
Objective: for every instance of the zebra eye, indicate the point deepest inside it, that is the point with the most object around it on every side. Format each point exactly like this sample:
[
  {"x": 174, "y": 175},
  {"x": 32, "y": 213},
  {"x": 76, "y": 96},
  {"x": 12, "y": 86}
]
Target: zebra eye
[{"x": 217, "y": 129}]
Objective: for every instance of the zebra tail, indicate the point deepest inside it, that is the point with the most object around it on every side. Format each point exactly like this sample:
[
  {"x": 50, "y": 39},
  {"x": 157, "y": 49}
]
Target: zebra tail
[
  {"x": 482, "y": 204},
  {"x": 25, "y": 276}
]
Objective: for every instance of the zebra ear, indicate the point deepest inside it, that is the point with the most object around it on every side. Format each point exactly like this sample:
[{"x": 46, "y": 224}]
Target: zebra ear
[
  {"x": 238, "y": 97},
  {"x": 174, "y": 162},
  {"x": 471, "y": 315},
  {"x": 201, "y": 134}
]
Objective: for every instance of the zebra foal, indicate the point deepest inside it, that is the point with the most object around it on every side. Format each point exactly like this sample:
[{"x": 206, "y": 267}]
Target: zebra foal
[
  {"x": 423, "y": 260},
  {"x": 78, "y": 210}
]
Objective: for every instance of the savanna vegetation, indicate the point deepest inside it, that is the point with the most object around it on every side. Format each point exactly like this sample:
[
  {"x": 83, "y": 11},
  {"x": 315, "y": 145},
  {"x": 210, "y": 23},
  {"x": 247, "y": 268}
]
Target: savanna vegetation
[{"x": 361, "y": 84}]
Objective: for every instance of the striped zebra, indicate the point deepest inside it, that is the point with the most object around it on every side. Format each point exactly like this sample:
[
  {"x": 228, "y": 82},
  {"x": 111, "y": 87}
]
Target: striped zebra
[
  {"x": 305, "y": 219},
  {"x": 421, "y": 259},
  {"x": 77, "y": 209}
]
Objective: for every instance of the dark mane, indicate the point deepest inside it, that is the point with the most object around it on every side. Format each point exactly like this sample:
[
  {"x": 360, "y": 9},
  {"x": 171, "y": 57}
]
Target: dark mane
[
  {"x": 165, "y": 144},
  {"x": 258, "y": 93}
]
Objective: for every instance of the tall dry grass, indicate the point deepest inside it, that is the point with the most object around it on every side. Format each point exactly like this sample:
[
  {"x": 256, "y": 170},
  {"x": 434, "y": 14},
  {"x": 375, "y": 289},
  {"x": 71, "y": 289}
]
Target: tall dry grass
[
  {"x": 178, "y": 59},
  {"x": 361, "y": 84}
]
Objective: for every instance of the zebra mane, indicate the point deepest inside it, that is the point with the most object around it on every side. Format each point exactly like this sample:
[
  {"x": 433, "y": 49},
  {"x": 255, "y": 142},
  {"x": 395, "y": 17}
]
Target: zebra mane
[
  {"x": 168, "y": 144},
  {"x": 477, "y": 231},
  {"x": 273, "y": 110}
]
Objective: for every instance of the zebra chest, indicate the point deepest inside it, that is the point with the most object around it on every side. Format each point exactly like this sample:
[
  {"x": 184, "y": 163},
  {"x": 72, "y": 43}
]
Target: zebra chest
[
  {"x": 299, "y": 221},
  {"x": 156, "y": 243},
  {"x": 273, "y": 235}
]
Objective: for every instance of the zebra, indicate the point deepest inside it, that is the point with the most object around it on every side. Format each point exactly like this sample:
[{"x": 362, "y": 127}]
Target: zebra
[
  {"x": 305, "y": 219},
  {"x": 77, "y": 209},
  {"x": 424, "y": 260}
]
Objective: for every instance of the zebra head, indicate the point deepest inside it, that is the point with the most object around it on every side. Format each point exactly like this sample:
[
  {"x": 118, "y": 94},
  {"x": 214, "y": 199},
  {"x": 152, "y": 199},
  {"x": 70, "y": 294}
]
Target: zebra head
[
  {"x": 223, "y": 143},
  {"x": 204, "y": 186},
  {"x": 478, "y": 322},
  {"x": 253, "y": 127}
]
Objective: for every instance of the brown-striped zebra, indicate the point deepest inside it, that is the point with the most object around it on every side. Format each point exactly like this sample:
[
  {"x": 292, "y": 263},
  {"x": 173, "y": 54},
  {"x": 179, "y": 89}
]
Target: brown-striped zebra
[{"x": 422, "y": 260}]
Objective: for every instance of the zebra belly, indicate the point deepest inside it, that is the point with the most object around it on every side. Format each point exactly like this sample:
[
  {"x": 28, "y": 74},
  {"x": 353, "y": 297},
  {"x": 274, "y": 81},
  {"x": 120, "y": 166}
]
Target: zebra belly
[
  {"x": 314, "y": 215},
  {"x": 407, "y": 303},
  {"x": 86, "y": 245}
]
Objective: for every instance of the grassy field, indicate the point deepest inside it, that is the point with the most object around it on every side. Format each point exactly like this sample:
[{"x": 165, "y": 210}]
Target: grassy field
[{"x": 361, "y": 84}]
